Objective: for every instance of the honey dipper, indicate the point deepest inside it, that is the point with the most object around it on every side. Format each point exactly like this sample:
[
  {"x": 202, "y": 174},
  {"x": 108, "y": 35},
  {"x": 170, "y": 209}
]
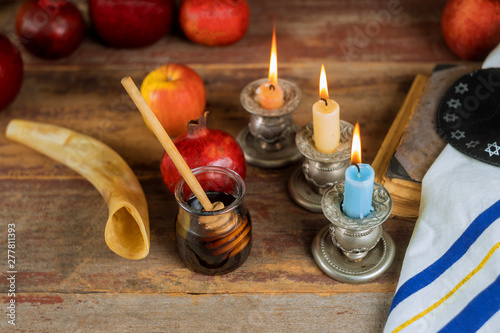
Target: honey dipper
[{"x": 168, "y": 145}]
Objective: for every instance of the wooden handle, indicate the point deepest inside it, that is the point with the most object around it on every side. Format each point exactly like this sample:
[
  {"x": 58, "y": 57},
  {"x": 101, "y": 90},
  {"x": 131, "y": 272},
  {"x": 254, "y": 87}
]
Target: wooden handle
[{"x": 166, "y": 142}]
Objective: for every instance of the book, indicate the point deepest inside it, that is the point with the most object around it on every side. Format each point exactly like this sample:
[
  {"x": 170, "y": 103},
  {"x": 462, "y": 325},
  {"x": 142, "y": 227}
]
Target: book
[{"x": 412, "y": 142}]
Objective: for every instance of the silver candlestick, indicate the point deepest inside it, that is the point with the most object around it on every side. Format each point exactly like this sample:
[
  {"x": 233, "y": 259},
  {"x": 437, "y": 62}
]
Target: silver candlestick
[
  {"x": 354, "y": 250},
  {"x": 319, "y": 171},
  {"x": 269, "y": 139}
]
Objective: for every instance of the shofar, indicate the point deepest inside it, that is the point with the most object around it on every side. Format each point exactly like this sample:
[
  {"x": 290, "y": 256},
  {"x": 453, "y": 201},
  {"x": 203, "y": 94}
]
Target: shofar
[{"x": 127, "y": 228}]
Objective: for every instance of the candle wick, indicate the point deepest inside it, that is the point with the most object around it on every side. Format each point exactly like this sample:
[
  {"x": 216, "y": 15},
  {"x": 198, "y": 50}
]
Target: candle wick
[
  {"x": 272, "y": 87},
  {"x": 326, "y": 103},
  {"x": 357, "y": 166}
]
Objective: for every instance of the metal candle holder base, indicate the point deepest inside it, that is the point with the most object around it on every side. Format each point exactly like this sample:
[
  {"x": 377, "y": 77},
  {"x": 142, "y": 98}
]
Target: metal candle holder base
[
  {"x": 354, "y": 250},
  {"x": 269, "y": 139},
  {"x": 319, "y": 171}
]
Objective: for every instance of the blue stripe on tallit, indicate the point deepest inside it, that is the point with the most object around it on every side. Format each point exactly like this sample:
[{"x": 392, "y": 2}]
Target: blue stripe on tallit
[
  {"x": 454, "y": 253},
  {"x": 477, "y": 312}
]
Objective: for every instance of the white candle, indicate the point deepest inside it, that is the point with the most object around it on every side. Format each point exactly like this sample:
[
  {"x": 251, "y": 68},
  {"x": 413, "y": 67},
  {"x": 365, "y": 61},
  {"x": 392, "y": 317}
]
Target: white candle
[
  {"x": 326, "y": 119},
  {"x": 269, "y": 94}
]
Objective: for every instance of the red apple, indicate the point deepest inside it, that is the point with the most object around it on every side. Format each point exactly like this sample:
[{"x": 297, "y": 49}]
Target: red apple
[
  {"x": 214, "y": 22},
  {"x": 131, "y": 23},
  {"x": 176, "y": 94},
  {"x": 50, "y": 29},
  {"x": 471, "y": 28},
  {"x": 11, "y": 72}
]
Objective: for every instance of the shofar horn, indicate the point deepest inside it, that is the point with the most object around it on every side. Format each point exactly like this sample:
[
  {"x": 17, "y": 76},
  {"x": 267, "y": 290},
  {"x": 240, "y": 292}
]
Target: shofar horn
[{"x": 127, "y": 228}]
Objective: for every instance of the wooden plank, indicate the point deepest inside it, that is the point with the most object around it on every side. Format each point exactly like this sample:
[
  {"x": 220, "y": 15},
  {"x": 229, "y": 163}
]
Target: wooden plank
[
  {"x": 63, "y": 246},
  {"x": 307, "y": 31},
  {"x": 193, "y": 313},
  {"x": 94, "y": 103},
  {"x": 60, "y": 248}
]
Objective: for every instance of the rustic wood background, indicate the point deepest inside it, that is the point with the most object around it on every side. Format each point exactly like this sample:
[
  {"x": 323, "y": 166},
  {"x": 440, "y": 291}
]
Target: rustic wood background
[{"x": 69, "y": 281}]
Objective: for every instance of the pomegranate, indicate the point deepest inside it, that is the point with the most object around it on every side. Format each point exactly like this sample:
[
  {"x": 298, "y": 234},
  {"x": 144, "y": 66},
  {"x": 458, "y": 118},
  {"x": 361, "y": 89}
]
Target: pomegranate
[
  {"x": 11, "y": 71},
  {"x": 50, "y": 29},
  {"x": 200, "y": 147},
  {"x": 131, "y": 23},
  {"x": 471, "y": 28},
  {"x": 214, "y": 22}
]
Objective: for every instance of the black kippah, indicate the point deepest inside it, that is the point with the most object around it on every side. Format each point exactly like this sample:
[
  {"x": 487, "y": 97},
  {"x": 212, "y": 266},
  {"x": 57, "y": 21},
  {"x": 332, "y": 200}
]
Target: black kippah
[{"x": 468, "y": 116}]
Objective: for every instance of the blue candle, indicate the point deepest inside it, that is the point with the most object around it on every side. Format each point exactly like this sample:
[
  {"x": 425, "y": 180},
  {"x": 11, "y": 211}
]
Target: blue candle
[
  {"x": 358, "y": 188},
  {"x": 358, "y": 191}
]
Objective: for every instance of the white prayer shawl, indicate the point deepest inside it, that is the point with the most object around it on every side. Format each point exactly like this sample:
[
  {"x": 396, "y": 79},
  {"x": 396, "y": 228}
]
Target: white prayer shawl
[{"x": 450, "y": 279}]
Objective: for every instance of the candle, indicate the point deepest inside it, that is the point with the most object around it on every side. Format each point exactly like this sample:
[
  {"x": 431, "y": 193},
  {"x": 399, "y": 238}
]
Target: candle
[
  {"x": 358, "y": 189},
  {"x": 326, "y": 119},
  {"x": 269, "y": 94}
]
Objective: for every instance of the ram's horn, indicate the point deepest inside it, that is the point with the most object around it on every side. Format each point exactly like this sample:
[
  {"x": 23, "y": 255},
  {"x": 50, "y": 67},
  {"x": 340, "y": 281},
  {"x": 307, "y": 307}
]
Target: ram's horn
[{"x": 127, "y": 228}]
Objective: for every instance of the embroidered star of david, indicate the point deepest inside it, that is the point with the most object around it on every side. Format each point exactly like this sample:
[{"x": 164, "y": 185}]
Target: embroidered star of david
[
  {"x": 450, "y": 117},
  {"x": 492, "y": 149},
  {"x": 454, "y": 103},
  {"x": 458, "y": 135},
  {"x": 461, "y": 88},
  {"x": 472, "y": 144}
]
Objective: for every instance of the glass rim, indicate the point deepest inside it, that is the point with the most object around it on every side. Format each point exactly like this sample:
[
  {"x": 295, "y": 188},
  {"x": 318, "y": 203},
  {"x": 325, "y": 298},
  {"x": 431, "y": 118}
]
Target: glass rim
[{"x": 213, "y": 169}]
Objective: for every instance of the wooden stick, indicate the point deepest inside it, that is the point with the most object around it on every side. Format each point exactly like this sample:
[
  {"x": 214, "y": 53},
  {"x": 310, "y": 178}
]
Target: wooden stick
[{"x": 166, "y": 142}]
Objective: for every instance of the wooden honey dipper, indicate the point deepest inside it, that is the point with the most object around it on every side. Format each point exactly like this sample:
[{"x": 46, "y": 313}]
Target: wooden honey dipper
[
  {"x": 168, "y": 145},
  {"x": 233, "y": 242},
  {"x": 216, "y": 226}
]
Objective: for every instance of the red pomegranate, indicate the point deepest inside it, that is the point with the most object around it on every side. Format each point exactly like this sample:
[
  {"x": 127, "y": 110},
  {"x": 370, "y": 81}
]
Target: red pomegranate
[
  {"x": 200, "y": 147},
  {"x": 471, "y": 28},
  {"x": 214, "y": 22},
  {"x": 11, "y": 71},
  {"x": 50, "y": 29}
]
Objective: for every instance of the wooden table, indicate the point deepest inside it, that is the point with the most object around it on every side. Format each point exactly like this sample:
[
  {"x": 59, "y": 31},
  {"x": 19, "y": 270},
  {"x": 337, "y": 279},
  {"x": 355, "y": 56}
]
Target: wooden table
[{"x": 69, "y": 281}]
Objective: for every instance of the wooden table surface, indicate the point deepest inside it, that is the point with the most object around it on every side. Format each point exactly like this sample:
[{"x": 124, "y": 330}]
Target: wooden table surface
[{"x": 69, "y": 281}]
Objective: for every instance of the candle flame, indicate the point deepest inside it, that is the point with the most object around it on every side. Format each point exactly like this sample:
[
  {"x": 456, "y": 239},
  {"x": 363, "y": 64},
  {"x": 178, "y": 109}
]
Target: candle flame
[
  {"x": 323, "y": 84},
  {"x": 273, "y": 62},
  {"x": 356, "y": 145}
]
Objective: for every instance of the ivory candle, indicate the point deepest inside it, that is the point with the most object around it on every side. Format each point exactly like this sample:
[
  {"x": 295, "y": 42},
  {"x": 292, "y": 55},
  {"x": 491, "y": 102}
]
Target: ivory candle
[{"x": 326, "y": 119}]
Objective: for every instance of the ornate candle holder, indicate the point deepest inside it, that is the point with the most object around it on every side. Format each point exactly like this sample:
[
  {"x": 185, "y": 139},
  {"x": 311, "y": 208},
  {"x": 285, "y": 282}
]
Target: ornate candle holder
[
  {"x": 319, "y": 170},
  {"x": 354, "y": 250},
  {"x": 269, "y": 139}
]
